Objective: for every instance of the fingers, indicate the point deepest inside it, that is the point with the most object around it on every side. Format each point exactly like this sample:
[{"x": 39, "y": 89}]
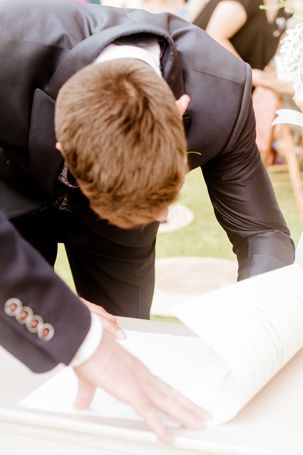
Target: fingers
[
  {"x": 156, "y": 398},
  {"x": 98, "y": 310},
  {"x": 154, "y": 422},
  {"x": 109, "y": 320},
  {"x": 176, "y": 405},
  {"x": 85, "y": 394},
  {"x": 161, "y": 398},
  {"x": 103, "y": 313},
  {"x": 182, "y": 104},
  {"x": 114, "y": 328}
]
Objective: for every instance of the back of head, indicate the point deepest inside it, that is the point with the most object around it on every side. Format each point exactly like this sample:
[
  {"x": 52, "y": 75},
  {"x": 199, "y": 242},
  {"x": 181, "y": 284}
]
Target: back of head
[{"x": 123, "y": 139}]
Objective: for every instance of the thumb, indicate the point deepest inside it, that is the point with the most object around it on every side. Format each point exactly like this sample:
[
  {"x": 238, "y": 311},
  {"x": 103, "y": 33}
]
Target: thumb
[
  {"x": 85, "y": 394},
  {"x": 182, "y": 104}
]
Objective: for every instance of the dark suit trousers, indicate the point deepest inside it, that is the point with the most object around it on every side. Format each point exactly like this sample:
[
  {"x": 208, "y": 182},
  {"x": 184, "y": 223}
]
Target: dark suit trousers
[{"x": 111, "y": 267}]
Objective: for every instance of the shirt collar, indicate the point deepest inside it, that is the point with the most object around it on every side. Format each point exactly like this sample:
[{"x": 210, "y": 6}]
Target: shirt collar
[{"x": 149, "y": 53}]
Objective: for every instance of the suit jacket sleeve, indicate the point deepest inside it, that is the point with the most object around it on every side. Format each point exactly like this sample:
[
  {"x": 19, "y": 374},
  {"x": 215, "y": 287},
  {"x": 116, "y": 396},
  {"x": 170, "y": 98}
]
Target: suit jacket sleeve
[
  {"x": 27, "y": 278},
  {"x": 222, "y": 131},
  {"x": 244, "y": 200}
]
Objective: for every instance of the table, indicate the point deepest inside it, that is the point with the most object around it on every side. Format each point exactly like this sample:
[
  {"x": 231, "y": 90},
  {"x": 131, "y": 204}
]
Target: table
[{"x": 271, "y": 424}]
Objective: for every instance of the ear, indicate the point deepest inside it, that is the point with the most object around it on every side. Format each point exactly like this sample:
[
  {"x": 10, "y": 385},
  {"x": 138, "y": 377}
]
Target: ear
[
  {"x": 59, "y": 147},
  {"x": 182, "y": 104}
]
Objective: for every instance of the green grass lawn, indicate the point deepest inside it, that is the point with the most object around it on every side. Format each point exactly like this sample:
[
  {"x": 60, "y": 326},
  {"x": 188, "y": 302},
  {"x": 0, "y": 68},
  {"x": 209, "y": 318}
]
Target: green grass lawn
[{"x": 205, "y": 237}]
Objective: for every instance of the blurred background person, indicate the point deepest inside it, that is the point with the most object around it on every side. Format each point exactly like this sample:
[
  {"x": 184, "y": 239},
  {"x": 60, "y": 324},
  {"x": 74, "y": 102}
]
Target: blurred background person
[
  {"x": 188, "y": 9},
  {"x": 158, "y": 6},
  {"x": 252, "y": 30},
  {"x": 122, "y": 3},
  {"x": 247, "y": 30}
]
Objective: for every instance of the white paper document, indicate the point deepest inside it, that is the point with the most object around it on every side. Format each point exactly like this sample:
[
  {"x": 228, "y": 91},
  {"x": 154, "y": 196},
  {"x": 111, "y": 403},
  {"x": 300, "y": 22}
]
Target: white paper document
[
  {"x": 187, "y": 363},
  {"x": 255, "y": 326},
  {"x": 246, "y": 333}
]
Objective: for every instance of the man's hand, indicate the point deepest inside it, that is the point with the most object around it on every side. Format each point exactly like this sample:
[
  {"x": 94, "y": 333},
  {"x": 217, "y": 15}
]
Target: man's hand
[
  {"x": 119, "y": 373},
  {"x": 109, "y": 321}
]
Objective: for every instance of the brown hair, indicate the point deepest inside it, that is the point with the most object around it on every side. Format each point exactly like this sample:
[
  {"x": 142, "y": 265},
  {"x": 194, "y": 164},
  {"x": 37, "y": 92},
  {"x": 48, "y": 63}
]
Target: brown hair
[{"x": 123, "y": 140}]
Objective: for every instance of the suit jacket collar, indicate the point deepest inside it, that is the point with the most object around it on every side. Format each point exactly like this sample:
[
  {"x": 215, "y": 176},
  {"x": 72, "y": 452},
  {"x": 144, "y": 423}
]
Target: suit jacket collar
[{"x": 88, "y": 50}]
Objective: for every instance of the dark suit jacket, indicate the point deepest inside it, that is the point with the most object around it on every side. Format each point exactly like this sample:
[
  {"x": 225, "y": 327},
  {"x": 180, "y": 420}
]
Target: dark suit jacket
[{"x": 42, "y": 44}]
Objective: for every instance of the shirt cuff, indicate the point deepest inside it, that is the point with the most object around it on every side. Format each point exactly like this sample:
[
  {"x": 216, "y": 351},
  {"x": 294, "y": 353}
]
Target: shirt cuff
[{"x": 90, "y": 342}]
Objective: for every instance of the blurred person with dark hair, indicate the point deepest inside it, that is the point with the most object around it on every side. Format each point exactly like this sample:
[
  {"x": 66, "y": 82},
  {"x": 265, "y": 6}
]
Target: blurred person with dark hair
[{"x": 247, "y": 30}]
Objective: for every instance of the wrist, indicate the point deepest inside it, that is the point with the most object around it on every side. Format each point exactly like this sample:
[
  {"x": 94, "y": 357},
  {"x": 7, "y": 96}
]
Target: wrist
[{"x": 90, "y": 342}]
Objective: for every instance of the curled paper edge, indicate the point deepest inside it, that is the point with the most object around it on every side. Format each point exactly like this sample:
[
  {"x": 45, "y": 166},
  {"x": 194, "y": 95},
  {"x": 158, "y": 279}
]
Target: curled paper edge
[{"x": 289, "y": 116}]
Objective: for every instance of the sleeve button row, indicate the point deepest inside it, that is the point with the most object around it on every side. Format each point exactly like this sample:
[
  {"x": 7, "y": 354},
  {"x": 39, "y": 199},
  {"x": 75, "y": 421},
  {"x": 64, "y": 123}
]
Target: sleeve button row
[{"x": 24, "y": 315}]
